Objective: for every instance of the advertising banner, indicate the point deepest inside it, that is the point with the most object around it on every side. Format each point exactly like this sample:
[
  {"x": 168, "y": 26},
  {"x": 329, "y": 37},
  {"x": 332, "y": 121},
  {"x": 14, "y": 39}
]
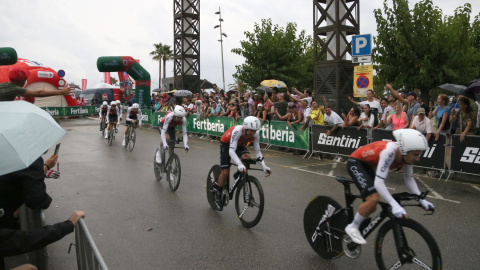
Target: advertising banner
[
  {"x": 434, "y": 157},
  {"x": 466, "y": 155},
  {"x": 146, "y": 117},
  {"x": 55, "y": 111},
  {"x": 343, "y": 141},
  {"x": 77, "y": 111},
  {"x": 280, "y": 134}
]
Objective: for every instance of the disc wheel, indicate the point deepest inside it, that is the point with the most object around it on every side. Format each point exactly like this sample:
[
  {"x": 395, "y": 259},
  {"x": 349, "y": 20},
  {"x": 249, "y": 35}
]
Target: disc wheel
[
  {"x": 325, "y": 237},
  {"x": 249, "y": 202},
  {"x": 174, "y": 172},
  {"x": 212, "y": 177}
]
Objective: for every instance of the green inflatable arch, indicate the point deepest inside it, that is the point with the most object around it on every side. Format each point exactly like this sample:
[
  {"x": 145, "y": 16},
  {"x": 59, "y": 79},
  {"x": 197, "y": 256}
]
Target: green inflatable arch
[
  {"x": 135, "y": 70},
  {"x": 8, "y": 56}
]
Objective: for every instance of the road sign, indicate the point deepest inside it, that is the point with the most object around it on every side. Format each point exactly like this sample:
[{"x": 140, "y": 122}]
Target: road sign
[
  {"x": 362, "y": 45},
  {"x": 362, "y": 59},
  {"x": 362, "y": 80}
]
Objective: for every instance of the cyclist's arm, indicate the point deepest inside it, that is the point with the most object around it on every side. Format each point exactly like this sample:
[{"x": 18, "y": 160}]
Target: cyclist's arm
[
  {"x": 100, "y": 112},
  {"x": 387, "y": 156},
  {"x": 128, "y": 114},
  {"x": 108, "y": 115},
  {"x": 139, "y": 117},
  {"x": 166, "y": 123},
  {"x": 184, "y": 131},
  {"x": 236, "y": 134},
  {"x": 409, "y": 180},
  {"x": 258, "y": 153}
]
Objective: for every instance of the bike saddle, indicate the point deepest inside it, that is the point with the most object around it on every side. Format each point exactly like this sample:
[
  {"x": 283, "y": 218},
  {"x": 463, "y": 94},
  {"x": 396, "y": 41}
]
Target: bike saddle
[{"x": 344, "y": 180}]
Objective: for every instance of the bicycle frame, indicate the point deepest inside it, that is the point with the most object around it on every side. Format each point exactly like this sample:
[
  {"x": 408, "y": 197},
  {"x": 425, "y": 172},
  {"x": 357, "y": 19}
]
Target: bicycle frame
[{"x": 239, "y": 181}]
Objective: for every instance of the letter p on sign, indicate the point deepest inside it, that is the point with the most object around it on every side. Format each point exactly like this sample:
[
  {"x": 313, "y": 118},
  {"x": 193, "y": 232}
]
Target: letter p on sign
[{"x": 362, "y": 45}]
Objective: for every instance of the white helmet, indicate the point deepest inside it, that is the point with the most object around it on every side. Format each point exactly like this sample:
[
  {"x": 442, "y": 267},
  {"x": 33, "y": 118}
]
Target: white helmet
[
  {"x": 410, "y": 140},
  {"x": 105, "y": 103},
  {"x": 118, "y": 102},
  {"x": 179, "y": 111},
  {"x": 135, "y": 106},
  {"x": 251, "y": 122},
  {"x": 113, "y": 103}
]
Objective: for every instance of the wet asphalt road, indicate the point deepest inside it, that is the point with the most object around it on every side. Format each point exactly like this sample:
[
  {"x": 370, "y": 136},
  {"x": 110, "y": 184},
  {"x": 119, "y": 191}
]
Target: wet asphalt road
[{"x": 123, "y": 201}]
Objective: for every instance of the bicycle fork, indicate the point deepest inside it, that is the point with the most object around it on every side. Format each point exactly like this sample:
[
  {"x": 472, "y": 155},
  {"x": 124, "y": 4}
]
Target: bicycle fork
[{"x": 405, "y": 253}]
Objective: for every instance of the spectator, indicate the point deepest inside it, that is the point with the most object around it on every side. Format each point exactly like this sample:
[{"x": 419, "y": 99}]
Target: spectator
[
  {"x": 275, "y": 93},
  {"x": 214, "y": 110},
  {"x": 317, "y": 114},
  {"x": 375, "y": 106},
  {"x": 410, "y": 102},
  {"x": 93, "y": 102},
  {"x": 307, "y": 95},
  {"x": 473, "y": 105},
  {"x": 251, "y": 103},
  {"x": 189, "y": 107},
  {"x": 79, "y": 102},
  {"x": 83, "y": 102},
  {"x": 158, "y": 105},
  {"x": 18, "y": 79},
  {"x": 366, "y": 120},
  {"x": 307, "y": 120},
  {"x": 423, "y": 105},
  {"x": 281, "y": 105},
  {"x": 332, "y": 119},
  {"x": 292, "y": 116},
  {"x": 261, "y": 113},
  {"x": 386, "y": 106},
  {"x": 351, "y": 119},
  {"x": 399, "y": 119},
  {"x": 466, "y": 118},
  {"x": 422, "y": 123},
  {"x": 268, "y": 105},
  {"x": 242, "y": 103},
  {"x": 441, "y": 112}
]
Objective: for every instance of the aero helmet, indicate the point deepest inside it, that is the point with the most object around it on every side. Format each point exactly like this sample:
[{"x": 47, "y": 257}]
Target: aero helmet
[{"x": 410, "y": 140}]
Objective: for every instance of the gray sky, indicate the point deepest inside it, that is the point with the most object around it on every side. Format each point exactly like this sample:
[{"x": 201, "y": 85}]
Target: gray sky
[{"x": 71, "y": 35}]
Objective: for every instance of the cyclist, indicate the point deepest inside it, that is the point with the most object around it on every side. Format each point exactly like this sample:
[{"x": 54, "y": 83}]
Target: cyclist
[
  {"x": 166, "y": 127},
  {"x": 120, "y": 114},
  {"x": 233, "y": 145},
  {"x": 103, "y": 112},
  {"x": 134, "y": 116},
  {"x": 112, "y": 117},
  {"x": 369, "y": 166}
]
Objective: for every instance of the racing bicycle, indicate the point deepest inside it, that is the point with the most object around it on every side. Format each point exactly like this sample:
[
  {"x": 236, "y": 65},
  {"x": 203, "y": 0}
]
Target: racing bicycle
[
  {"x": 131, "y": 136},
  {"x": 249, "y": 198},
  {"x": 400, "y": 243},
  {"x": 171, "y": 167},
  {"x": 103, "y": 126},
  {"x": 111, "y": 134}
]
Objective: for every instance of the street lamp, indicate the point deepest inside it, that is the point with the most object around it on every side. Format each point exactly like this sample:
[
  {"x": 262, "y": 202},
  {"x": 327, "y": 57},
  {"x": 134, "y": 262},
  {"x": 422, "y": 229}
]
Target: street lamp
[{"x": 219, "y": 13}]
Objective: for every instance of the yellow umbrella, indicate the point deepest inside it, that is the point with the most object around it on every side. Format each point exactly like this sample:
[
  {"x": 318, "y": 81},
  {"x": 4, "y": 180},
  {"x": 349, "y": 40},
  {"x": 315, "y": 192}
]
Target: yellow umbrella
[{"x": 273, "y": 83}]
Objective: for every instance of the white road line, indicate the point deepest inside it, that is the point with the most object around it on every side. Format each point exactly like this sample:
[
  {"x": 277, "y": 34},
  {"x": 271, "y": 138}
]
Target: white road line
[
  {"x": 435, "y": 194},
  {"x": 474, "y": 186},
  {"x": 333, "y": 169}
]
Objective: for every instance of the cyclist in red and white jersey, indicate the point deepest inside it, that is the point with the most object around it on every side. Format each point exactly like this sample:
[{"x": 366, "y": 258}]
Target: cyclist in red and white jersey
[
  {"x": 112, "y": 117},
  {"x": 233, "y": 145},
  {"x": 134, "y": 116},
  {"x": 166, "y": 127},
  {"x": 369, "y": 166},
  {"x": 102, "y": 112},
  {"x": 120, "y": 113}
]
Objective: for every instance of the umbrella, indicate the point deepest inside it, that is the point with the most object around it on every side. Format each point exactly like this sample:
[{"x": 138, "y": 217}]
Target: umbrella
[
  {"x": 273, "y": 83},
  {"x": 26, "y": 133},
  {"x": 264, "y": 88},
  {"x": 182, "y": 93},
  {"x": 454, "y": 88},
  {"x": 474, "y": 87}
]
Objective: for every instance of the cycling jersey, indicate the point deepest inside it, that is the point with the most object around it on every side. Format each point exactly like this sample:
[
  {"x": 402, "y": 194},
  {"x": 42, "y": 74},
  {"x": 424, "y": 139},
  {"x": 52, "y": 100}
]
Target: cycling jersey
[
  {"x": 112, "y": 114},
  {"x": 169, "y": 123},
  {"x": 381, "y": 157},
  {"x": 131, "y": 114},
  {"x": 102, "y": 111},
  {"x": 120, "y": 111},
  {"x": 235, "y": 138}
]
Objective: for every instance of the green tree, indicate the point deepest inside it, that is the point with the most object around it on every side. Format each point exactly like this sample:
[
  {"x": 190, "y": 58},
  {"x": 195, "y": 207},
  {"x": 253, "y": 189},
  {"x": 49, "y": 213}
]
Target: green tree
[
  {"x": 238, "y": 85},
  {"x": 274, "y": 52},
  {"x": 161, "y": 53},
  {"x": 421, "y": 48}
]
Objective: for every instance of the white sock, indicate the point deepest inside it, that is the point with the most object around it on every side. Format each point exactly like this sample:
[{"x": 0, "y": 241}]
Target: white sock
[{"x": 357, "y": 220}]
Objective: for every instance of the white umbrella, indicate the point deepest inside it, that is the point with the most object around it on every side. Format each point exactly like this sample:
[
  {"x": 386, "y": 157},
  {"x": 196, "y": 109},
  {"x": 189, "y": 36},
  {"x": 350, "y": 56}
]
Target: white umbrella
[{"x": 26, "y": 132}]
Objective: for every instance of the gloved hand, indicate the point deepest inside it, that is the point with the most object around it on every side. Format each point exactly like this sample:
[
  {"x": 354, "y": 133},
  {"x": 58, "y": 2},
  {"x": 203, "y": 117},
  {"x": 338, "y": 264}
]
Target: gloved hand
[
  {"x": 186, "y": 147},
  {"x": 165, "y": 147},
  {"x": 52, "y": 174},
  {"x": 267, "y": 170},
  {"x": 398, "y": 211},
  {"x": 242, "y": 168},
  {"x": 426, "y": 204}
]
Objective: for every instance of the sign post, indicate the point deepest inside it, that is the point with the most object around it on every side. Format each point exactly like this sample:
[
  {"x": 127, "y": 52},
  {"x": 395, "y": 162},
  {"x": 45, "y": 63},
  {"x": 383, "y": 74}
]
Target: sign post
[{"x": 362, "y": 80}]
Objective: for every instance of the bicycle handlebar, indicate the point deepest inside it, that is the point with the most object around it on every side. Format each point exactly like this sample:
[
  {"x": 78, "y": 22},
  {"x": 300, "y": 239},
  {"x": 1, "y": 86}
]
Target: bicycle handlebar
[{"x": 405, "y": 196}]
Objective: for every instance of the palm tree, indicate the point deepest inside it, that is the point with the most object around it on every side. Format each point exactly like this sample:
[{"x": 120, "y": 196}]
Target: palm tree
[
  {"x": 238, "y": 85},
  {"x": 161, "y": 52}
]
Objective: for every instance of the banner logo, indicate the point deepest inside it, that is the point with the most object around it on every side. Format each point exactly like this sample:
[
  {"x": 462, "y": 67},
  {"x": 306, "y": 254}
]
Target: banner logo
[
  {"x": 470, "y": 155},
  {"x": 45, "y": 74},
  {"x": 207, "y": 125},
  {"x": 344, "y": 141}
]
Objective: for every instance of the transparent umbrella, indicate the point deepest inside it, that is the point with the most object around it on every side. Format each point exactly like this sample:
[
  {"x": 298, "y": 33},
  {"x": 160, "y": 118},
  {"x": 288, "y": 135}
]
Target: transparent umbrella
[
  {"x": 182, "y": 93},
  {"x": 26, "y": 133}
]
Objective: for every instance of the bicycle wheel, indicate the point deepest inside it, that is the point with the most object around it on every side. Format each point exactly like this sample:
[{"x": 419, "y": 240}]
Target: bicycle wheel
[
  {"x": 249, "y": 202},
  {"x": 103, "y": 129},
  {"x": 325, "y": 239},
  {"x": 174, "y": 172},
  {"x": 212, "y": 177},
  {"x": 131, "y": 141},
  {"x": 157, "y": 168},
  {"x": 127, "y": 138},
  {"x": 110, "y": 135},
  {"x": 420, "y": 244}
]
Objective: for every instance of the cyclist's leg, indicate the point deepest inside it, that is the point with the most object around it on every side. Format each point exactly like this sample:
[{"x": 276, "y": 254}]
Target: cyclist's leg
[
  {"x": 363, "y": 177},
  {"x": 225, "y": 165},
  {"x": 127, "y": 125}
]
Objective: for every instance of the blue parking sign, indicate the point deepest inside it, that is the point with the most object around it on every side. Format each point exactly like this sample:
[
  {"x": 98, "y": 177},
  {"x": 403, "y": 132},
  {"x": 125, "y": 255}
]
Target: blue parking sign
[{"x": 362, "y": 45}]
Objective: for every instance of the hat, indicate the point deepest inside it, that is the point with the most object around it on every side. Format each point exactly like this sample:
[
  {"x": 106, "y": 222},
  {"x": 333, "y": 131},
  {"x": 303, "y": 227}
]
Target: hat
[
  {"x": 259, "y": 105},
  {"x": 412, "y": 94},
  {"x": 420, "y": 111},
  {"x": 18, "y": 75}
]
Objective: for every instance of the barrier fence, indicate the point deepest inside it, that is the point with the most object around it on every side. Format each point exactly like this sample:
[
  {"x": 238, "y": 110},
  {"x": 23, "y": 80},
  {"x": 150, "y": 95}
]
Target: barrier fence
[
  {"x": 88, "y": 256},
  {"x": 464, "y": 157}
]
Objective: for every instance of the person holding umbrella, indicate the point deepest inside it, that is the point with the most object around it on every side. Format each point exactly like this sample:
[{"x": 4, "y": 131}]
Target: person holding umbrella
[
  {"x": 18, "y": 79},
  {"x": 466, "y": 118}
]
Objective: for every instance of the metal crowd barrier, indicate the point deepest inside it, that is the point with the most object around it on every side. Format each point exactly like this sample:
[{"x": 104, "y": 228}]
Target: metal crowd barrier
[{"x": 88, "y": 256}]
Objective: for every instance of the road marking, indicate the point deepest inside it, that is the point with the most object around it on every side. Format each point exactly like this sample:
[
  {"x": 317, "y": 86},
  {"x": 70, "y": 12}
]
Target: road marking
[
  {"x": 474, "y": 186},
  {"x": 333, "y": 169},
  {"x": 435, "y": 194}
]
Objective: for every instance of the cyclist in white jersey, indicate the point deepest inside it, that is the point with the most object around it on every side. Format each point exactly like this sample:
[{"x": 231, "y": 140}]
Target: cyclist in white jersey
[
  {"x": 134, "y": 116},
  {"x": 166, "y": 127}
]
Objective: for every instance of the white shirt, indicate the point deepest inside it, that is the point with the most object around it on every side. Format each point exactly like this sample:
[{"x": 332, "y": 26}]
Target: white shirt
[
  {"x": 385, "y": 113},
  {"x": 306, "y": 114},
  {"x": 374, "y": 105},
  {"x": 424, "y": 126},
  {"x": 333, "y": 119}
]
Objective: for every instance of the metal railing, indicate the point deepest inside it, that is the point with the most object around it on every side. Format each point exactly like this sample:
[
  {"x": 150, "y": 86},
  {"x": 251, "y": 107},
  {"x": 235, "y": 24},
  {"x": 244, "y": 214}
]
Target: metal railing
[{"x": 88, "y": 256}]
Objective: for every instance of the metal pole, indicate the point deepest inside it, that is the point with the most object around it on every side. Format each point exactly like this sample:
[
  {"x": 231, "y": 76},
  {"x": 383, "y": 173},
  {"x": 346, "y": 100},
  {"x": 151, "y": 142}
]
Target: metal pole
[{"x": 221, "y": 46}]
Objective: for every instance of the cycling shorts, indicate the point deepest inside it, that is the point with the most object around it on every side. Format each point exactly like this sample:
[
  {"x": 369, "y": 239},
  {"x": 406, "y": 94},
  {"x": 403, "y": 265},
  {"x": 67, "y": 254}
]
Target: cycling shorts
[
  {"x": 225, "y": 155},
  {"x": 113, "y": 117},
  {"x": 363, "y": 176},
  {"x": 170, "y": 132},
  {"x": 128, "y": 122}
]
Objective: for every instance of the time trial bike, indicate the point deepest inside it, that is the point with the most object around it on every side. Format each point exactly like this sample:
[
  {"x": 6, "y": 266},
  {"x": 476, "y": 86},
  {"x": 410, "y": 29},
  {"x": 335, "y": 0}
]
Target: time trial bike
[
  {"x": 171, "y": 167},
  {"x": 249, "y": 198},
  {"x": 400, "y": 243},
  {"x": 111, "y": 134},
  {"x": 131, "y": 136}
]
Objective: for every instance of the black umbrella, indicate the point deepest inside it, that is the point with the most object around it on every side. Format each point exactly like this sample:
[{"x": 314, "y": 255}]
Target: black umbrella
[
  {"x": 474, "y": 87},
  {"x": 454, "y": 88}
]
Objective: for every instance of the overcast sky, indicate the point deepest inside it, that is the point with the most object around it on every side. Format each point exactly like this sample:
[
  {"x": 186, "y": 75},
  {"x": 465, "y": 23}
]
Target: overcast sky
[{"x": 71, "y": 35}]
